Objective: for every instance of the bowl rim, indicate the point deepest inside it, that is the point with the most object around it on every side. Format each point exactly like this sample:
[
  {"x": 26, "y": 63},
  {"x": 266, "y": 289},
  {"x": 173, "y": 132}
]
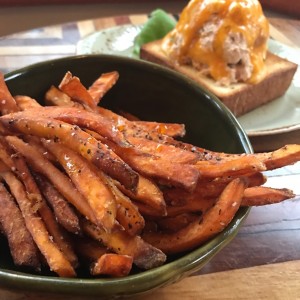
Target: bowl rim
[{"x": 151, "y": 279}]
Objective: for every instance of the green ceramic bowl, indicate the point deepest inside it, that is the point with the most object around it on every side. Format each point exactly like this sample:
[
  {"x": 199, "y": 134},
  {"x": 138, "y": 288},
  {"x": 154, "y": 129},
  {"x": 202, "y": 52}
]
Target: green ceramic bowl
[{"x": 151, "y": 93}]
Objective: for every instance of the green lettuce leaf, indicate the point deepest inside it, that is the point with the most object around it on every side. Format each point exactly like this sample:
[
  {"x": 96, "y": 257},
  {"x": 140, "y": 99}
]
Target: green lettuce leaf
[{"x": 157, "y": 26}]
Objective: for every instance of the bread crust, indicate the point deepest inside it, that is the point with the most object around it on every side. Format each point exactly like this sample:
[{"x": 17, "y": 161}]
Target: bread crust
[{"x": 240, "y": 98}]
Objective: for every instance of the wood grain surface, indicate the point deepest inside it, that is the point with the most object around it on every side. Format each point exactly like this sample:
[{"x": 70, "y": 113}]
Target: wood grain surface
[{"x": 277, "y": 282}]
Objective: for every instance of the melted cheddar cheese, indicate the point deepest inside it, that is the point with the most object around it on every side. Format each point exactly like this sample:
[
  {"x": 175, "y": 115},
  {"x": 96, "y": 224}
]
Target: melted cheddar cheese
[{"x": 209, "y": 33}]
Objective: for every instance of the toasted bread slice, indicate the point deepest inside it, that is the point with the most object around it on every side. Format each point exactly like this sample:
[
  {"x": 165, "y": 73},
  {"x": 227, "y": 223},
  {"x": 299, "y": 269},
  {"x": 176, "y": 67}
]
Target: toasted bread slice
[{"x": 240, "y": 98}]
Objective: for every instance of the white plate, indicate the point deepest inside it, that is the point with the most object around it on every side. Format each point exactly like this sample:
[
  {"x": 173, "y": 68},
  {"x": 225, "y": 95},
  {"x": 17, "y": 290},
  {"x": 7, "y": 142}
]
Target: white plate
[
  {"x": 116, "y": 40},
  {"x": 278, "y": 121}
]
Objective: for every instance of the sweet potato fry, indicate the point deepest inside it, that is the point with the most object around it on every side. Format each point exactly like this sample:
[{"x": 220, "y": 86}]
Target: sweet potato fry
[
  {"x": 53, "y": 96},
  {"x": 22, "y": 247},
  {"x": 7, "y": 103},
  {"x": 143, "y": 140},
  {"x": 64, "y": 213},
  {"x": 253, "y": 196},
  {"x": 72, "y": 86},
  {"x": 207, "y": 226},
  {"x": 176, "y": 155},
  {"x": 54, "y": 257},
  {"x": 26, "y": 102},
  {"x": 148, "y": 211},
  {"x": 143, "y": 129},
  {"x": 75, "y": 116},
  {"x": 115, "y": 265},
  {"x": 107, "y": 129},
  {"x": 56, "y": 97},
  {"x": 203, "y": 154},
  {"x": 262, "y": 195},
  {"x": 192, "y": 206},
  {"x": 58, "y": 233},
  {"x": 128, "y": 214},
  {"x": 36, "y": 142},
  {"x": 60, "y": 237},
  {"x": 169, "y": 129},
  {"x": 97, "y": 193},
  {"x": 102, "y": 85},
  {"x": 147, "y": 192},
  {"x": 236, "y": 167},
  {"x": 89, "y": 249},
  {"x": 211, "y": 188},
  {"x": 76, "y": 139},
  {"x": 162, "y": 170},
  {"x": 57, "y": 178},
  {"x": 16, "y": 163},
  {"x": 284, "y": 156},
  {"x": 145, "y": 256},
  {"x": 173, "y": 224},
  {"x": 103, "y": 262},
  {"x": 255, "y": 179}
]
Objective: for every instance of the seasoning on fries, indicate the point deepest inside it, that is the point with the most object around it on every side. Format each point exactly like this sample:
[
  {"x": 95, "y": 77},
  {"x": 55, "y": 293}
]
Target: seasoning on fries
[{"x": 88, "y": 187}]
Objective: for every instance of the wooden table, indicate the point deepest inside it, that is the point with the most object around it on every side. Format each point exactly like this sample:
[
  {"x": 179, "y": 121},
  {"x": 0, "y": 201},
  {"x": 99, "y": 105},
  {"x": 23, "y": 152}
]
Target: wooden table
[{"x": 263, "y": 261}]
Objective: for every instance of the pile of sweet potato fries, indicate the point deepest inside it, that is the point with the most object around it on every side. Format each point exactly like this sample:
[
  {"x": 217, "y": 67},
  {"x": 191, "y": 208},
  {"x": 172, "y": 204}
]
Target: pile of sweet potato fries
[{"x": 82, "y": 185}]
